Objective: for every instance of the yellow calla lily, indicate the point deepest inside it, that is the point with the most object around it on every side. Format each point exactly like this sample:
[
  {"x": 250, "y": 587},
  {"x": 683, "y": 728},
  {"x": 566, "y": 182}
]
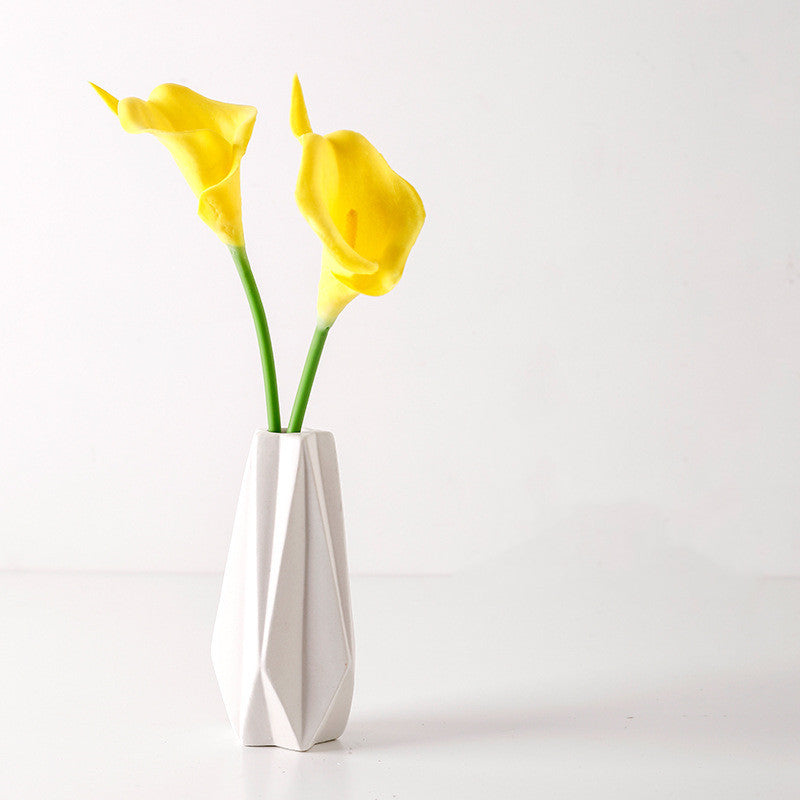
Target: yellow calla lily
[
  {"x": 366, "y": 215},
  {"x": 206, "y": 138}
]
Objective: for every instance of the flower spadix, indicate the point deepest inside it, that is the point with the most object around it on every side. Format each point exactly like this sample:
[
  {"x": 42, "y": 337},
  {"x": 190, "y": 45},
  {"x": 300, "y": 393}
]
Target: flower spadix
[
  {"x": 206, "y": 138},
  {"x": 366, "y": 215}
]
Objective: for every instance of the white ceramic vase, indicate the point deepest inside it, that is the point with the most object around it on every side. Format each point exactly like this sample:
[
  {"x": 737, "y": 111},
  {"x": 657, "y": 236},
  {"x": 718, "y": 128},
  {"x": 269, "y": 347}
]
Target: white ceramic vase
[{"x": 283, "y": 638}]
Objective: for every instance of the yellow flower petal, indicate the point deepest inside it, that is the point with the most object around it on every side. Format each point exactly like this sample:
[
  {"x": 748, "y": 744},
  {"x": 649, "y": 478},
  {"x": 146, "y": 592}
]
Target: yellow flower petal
[
  {"x": 206, "y": 138},
  {"x": 317, "y": 185},
  {"x": 332, "y": 294},
  {"x": 388, "y": 209},
  {"x": 178, "y": 108},
  {"x": 203, "y": 156},
  {"x": 108, "y": 99},
  {"x": 366, "y": 215},
  {"x": 298, "y": 117}
]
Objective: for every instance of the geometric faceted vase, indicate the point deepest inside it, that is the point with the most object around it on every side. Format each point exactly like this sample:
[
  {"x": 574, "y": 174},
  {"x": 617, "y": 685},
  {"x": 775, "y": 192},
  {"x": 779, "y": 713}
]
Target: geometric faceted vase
[{"x": 283, "y": 638}]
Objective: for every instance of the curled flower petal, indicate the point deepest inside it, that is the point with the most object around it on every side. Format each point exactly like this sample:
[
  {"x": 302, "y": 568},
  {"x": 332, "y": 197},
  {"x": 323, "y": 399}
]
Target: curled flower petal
[
  {"x": 207, "y": 140},
  {"x": 366, "y": 215},
  {"x": 316, "y": 194}
]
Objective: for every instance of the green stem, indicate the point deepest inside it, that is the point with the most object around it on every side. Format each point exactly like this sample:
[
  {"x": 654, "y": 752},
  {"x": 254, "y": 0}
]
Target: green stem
[
  {"x": 262, "y": 332},
  {"x": 307, "y": 378}
]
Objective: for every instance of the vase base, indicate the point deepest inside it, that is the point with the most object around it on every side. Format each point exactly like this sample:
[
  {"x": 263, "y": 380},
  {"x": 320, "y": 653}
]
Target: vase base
[{"x": 287, "y": 746}]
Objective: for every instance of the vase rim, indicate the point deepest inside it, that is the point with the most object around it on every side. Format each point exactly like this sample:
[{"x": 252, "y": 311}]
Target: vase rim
[{"x": 303, "y": 432}]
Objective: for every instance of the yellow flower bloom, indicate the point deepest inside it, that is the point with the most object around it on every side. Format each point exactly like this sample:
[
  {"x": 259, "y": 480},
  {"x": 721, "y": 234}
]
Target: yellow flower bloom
[
  {"x": 366, "y": 215},
  {"x": 206, "y": 138}
]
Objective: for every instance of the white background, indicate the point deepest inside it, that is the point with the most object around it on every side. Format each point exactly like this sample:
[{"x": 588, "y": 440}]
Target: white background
[{"x": 597, "y": 329}]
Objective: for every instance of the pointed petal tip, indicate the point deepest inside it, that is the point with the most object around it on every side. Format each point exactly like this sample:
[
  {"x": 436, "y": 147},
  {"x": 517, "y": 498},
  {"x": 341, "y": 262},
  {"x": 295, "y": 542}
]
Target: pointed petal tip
[
  {"x": 298, "y": 116},
  {"x": 107, "y": 98}
]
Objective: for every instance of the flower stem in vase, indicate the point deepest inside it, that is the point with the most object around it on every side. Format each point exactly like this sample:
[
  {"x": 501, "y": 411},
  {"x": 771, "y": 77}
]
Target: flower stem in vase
[
  {"x": 307, "y": 378},
  {"x": 262, "y": 332}
]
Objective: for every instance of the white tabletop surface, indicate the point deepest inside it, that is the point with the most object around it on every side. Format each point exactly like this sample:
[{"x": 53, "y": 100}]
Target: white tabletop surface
[{"x": 630, "y": 671}]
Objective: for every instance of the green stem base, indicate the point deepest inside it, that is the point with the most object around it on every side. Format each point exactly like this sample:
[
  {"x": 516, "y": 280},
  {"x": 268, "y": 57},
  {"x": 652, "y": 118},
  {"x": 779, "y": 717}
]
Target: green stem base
[{"x": 307, "y": 378}]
